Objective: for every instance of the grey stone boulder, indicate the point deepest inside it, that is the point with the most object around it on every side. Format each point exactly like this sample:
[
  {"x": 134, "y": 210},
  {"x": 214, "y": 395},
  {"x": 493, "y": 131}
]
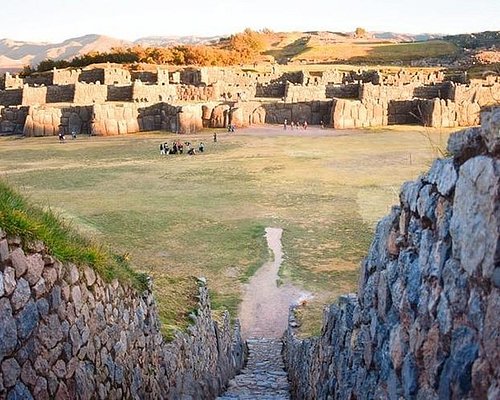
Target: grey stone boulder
[{"x": 475, "y": 222}]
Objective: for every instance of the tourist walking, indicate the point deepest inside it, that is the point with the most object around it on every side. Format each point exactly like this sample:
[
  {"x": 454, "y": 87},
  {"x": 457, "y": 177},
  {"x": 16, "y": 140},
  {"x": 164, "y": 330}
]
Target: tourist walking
[{"x": 215, "y": 137}]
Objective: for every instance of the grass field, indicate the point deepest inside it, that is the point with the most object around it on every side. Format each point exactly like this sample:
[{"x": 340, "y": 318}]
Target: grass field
[
  {"x": 180, "y": 216},
  {"x": 371, "y": 53}
]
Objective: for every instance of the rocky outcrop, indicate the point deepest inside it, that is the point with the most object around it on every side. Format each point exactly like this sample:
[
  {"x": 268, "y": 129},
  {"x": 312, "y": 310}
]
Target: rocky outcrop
[
  {"x": 65, "y": 333},
  {"x": 424, "y": 323}
]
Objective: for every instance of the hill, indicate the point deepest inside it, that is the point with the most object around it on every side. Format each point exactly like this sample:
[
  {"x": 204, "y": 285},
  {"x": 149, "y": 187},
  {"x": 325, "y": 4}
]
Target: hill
[{"x": 16, "y": 54}]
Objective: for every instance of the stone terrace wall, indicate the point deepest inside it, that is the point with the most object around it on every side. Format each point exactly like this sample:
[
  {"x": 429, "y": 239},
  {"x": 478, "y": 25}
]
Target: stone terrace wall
[
  {"x": 67, "y": 334},
  {"x": 34, "y": 95},
  {"x": 196, "y": 93},
  {"x": 424, "y": 324},
  {"x": 295, "y": 93},
  {"x": 90, "y": 93},
  {"x": 348, "y": 114},
  {"x": 347, "y": 91},
  {"x": 12, "y": 119},
  {"x": 153, "y": 93},
  {"x": 49, "y": 121},
  {"x": 11, "y": 97},
  {"x": 476, "y": 92},
  {"x": 441, "y": 113}
]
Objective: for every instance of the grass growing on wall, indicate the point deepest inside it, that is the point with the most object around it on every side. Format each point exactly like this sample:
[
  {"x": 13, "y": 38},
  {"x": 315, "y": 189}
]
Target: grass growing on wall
[{"x": 20, "y": 218}]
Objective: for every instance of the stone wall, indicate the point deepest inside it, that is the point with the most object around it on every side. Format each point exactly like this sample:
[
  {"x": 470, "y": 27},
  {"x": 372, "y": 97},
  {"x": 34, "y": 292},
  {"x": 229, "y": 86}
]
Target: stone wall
[
  {"x": 424, "y": 324},
  {"x": 369, "y": 91},
  {"x": 476, "y": 92},
  {"x": 90, "y": 93},
  {"x": 196, "y": 93},
  {"x": 60, "y": 94},
  {"x": 12, "y": 119},
  {"x": 349, "y": 114},
  {"x": 67, "y": 334},
  {"x": 11, "y": 97},
  {"x": 49, "y": 121},
  {"x": 12, "y": 81},
  {"x": 34, "y": 95},
  {"x": 119, "y": 92},
  {"x": 66, "y": 76},
  {"x": 153, "y": 93},
  {"x": 295, "y": 93},
  {"x": 440, "y": 113},
  {"x": 347, "y": 91}
]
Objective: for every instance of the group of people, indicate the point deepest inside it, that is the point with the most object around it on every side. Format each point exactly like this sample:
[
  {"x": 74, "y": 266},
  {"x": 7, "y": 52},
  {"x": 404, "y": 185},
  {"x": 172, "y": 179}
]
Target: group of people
[
  {"x": 294, "y": 125},
  {"x": 178, "y": 147}
]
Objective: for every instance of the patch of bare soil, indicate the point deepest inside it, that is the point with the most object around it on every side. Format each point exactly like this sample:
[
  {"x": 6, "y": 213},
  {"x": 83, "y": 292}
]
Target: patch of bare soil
[{"x": 265, "y": 305}]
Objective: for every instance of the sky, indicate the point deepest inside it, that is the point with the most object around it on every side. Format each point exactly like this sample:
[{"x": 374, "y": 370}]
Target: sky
[{"x": 57, "y": 20}]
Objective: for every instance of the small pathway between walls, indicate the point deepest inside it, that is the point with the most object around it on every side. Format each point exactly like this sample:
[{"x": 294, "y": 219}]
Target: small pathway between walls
[
  {"x": 264, "y": 318},
  {"x": 263, "y": 377}
]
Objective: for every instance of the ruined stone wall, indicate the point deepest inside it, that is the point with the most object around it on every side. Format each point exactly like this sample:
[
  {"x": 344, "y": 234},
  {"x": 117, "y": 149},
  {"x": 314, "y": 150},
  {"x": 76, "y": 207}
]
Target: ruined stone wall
[
  {"x": 196, "y": 93},
  {"x": 90, "y": 93},
  {"x": 67, "y": 334},
  {"x": 369, "y": 91},
  {"x": 93, "y": 75},
  {"x": 40, "y": 79},
  {"x": 117, "y": 76},
  {"x": 347, "y": 91},
  {"x": 12, "y": 119},
  {"x": 424, "y": 324},
  {"x": 348, "y": 114},
  {"x": 440, "y": 113},
  {"x": 404, "y": 77},
  {"x": 119, "y": 92},
  {"x": 60, "y": 94},
  {"x": 34, "y": 95},
  {"x": 66, "y": 76},
  {"x": 144, "y": 76},
  {"x": 11, "y": 97},
  {"x": 49, "y": 121},
  {"x": 115, "y": 119},
  {"x": 272, "y": 89},
  {"x": 153, "y": 93},
  {"x": 476, "y": 92},
  {"x": 295, "y": 93},
  {"x": 249, "y": 113},
  {"x": 12, "y": 81}
]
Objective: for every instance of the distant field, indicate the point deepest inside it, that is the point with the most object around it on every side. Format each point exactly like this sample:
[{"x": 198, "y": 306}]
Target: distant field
[
  {"x": 181, "y": 216},
  {"x": 375, "y": 52}
]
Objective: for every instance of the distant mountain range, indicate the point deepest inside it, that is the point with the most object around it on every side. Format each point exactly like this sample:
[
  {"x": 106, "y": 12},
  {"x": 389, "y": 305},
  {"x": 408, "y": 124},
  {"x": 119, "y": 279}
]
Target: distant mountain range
[{"x": 15, "y": 54}]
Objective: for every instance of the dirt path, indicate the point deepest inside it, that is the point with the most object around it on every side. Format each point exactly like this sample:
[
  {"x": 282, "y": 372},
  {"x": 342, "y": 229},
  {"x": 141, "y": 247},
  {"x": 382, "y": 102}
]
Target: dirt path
[{"x": 264, "y": 309}]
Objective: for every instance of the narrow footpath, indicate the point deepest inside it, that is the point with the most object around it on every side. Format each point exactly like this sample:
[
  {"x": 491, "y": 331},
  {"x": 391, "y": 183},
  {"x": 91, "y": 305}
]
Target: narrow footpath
[
  {"x": 264, "y": 376},
  {"x": 264, "y": 317}
]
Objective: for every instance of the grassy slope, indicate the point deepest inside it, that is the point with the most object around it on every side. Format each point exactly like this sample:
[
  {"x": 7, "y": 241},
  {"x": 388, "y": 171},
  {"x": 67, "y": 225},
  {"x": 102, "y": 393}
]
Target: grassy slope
[
  {"x": 19, "y": 217},
  {"x": 375, "y": 52},
  {"x": 183, "y": 216}
]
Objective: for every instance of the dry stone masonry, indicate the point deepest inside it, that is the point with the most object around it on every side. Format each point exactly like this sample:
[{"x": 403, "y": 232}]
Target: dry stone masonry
[
  {"x": 353, "y": 99},
  {"x": 264, "y": 376},
  {"x": 425, "y": 321},
  {"x": 66, "y": 334}
]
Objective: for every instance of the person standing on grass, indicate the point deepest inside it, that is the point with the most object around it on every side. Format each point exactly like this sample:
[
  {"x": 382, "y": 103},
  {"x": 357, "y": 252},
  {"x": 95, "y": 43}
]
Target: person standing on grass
[
  {"x": 201, "y": 147},
  {"x": 215, "y": 137},
  {"x": 285, "y": 122}
]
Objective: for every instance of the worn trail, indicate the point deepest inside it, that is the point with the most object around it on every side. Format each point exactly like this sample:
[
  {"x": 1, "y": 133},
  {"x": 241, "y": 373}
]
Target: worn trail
[
  {"x": 264, "y": 376},
  {"x": 264, "y": 317}
]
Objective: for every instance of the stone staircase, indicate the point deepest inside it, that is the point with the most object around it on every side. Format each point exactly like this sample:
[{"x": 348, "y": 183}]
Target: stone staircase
[{"x": 264, "y": 376}]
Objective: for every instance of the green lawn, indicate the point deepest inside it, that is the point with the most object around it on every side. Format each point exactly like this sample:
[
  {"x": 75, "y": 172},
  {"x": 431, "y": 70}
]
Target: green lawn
[{"x": 180, "y": 216}]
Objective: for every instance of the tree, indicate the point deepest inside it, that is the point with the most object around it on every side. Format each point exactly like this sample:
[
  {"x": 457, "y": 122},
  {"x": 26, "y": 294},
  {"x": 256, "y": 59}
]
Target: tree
[{"x": 360, "y": 32}]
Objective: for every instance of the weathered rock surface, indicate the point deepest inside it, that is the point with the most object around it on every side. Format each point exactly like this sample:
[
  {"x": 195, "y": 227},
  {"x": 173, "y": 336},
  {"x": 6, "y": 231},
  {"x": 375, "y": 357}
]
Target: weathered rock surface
[
  {"x": 64, "y": 333},
  {"x": 264, "y": 376},
  {"x": 424, "y": 324}
]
